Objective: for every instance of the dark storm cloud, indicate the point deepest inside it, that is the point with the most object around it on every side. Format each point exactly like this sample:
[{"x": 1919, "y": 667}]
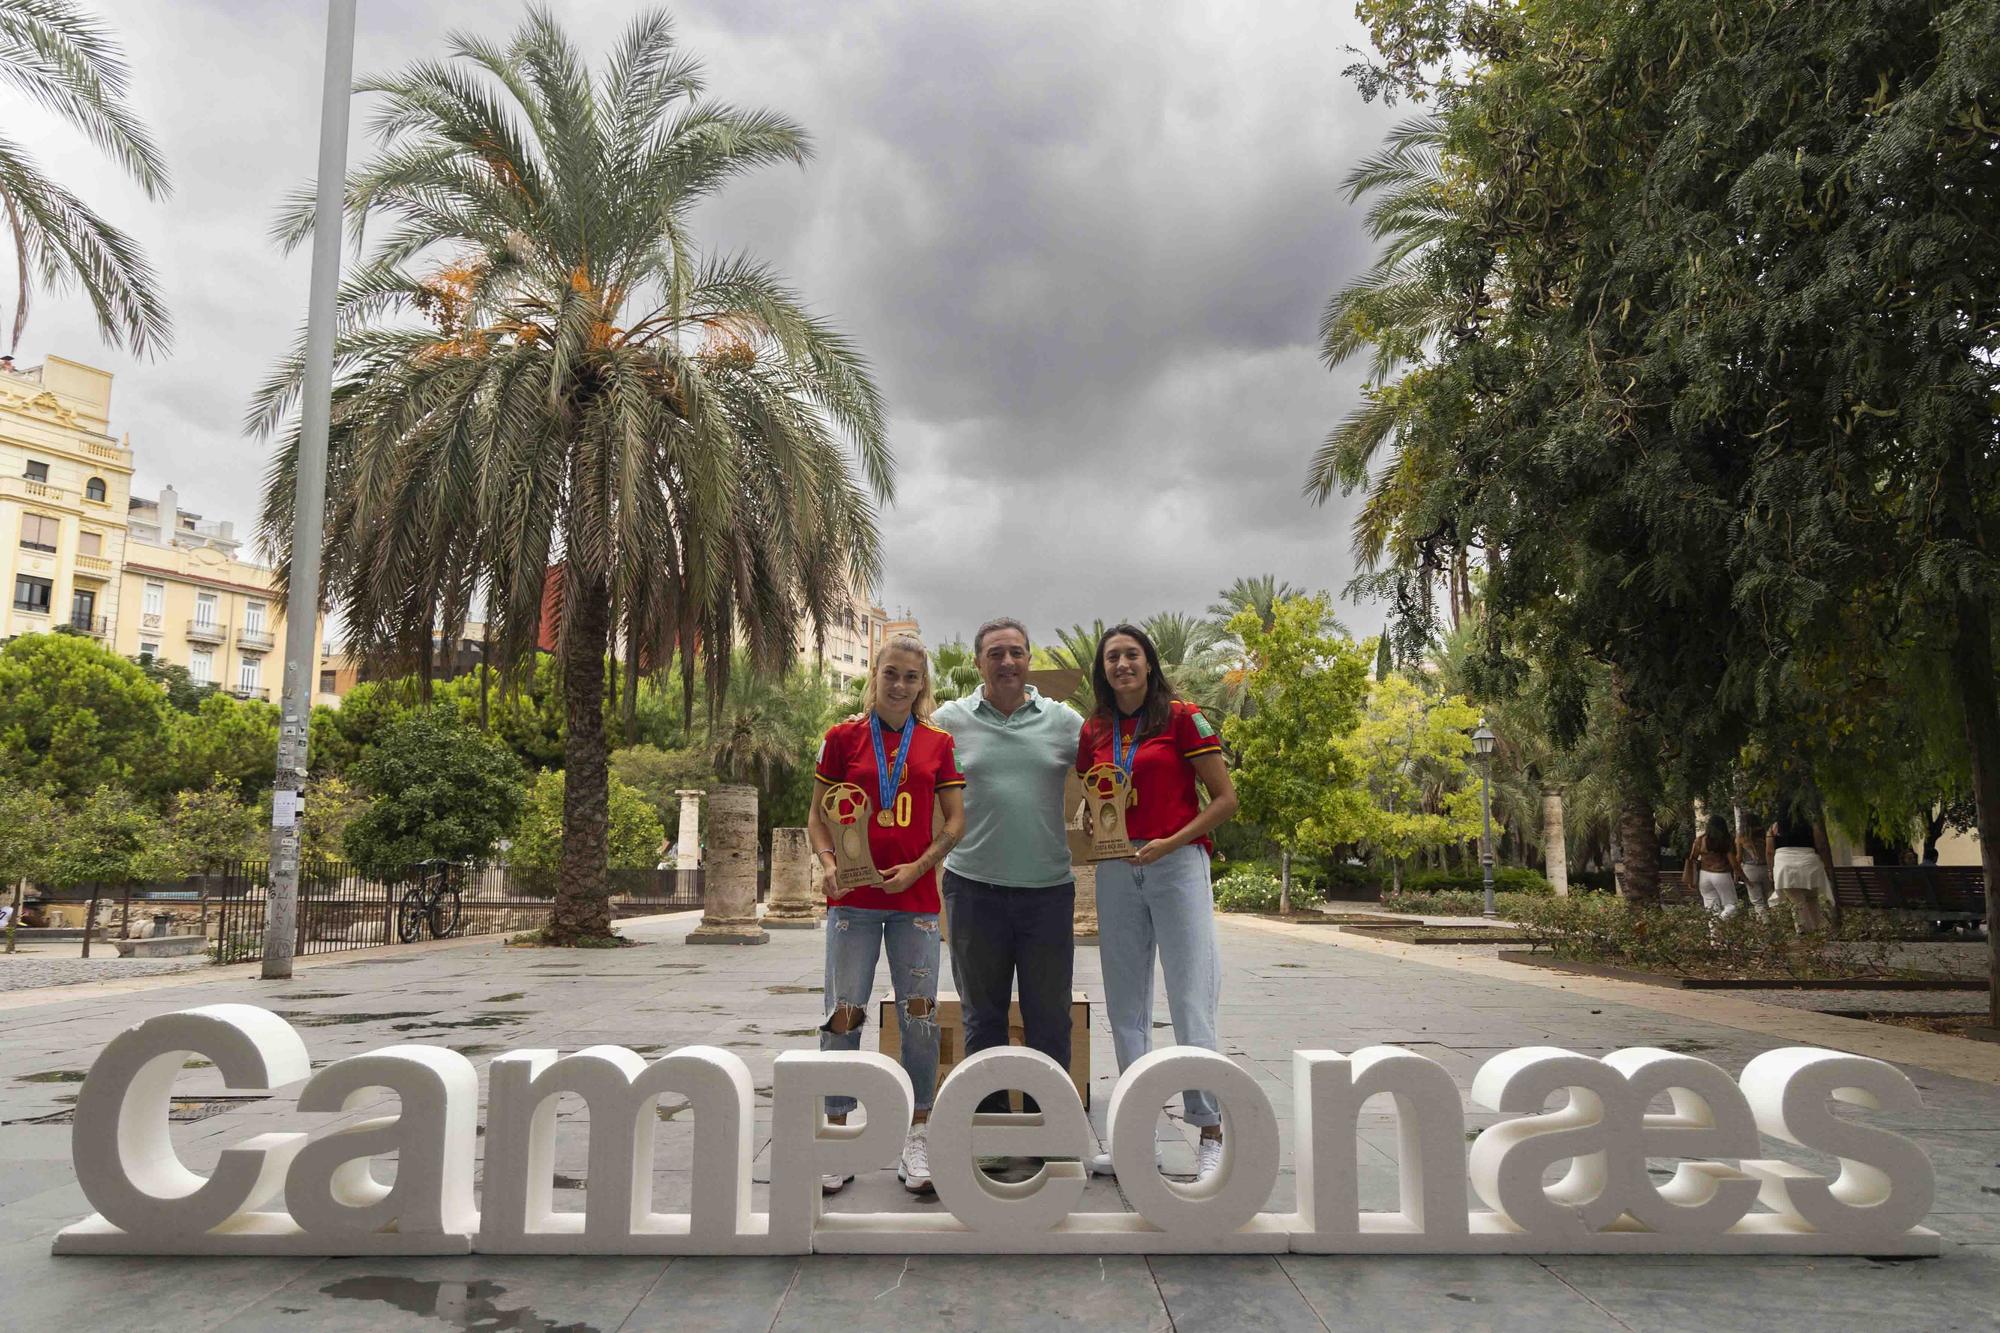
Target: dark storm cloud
[{"x": 1085, "y": 247}]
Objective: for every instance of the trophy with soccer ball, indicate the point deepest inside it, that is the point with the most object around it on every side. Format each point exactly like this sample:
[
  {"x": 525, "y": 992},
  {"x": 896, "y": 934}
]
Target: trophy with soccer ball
[
  {"x": 1107, "y": 791},
  {"x": 846, "y": 807}
]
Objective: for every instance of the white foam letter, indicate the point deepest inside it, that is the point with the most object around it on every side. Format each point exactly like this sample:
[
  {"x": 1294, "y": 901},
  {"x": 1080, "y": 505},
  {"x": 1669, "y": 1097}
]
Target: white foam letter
[
  {"x": 330, "y": 1188},
  {"x": 804, "y": 1146},
  {"x": 1217, "y": 1209},
  {"x": 1885, "y": 1183},
  {"x": 1328, "y": 1091},
  {"x": 147, "y": 1201},
  {"x": 957, "y": 1142}
]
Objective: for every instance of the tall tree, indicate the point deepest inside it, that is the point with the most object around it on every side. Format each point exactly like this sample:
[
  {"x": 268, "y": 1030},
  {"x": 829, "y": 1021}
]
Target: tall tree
[
  {"x": 588, "y": 395},
  {"x": 67, "y": 62}
]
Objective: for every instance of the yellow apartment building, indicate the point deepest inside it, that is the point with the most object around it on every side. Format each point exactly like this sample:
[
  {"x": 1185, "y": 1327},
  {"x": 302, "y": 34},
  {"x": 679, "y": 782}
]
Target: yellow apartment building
[
  {"x": 192, "y": 600},
  {"x": 63, "y": 487},
  {"x": 857, "y": 633}
]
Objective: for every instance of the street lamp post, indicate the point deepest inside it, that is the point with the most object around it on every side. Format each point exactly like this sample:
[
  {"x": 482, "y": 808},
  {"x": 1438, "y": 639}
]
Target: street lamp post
[
  {"x": 1482, "y": 743},
  {"x": 281, "y": 905}
]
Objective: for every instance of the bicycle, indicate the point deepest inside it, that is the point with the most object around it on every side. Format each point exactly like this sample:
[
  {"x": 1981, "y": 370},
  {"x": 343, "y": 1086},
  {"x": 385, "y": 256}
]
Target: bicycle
[{"x": 433, "y": 902}]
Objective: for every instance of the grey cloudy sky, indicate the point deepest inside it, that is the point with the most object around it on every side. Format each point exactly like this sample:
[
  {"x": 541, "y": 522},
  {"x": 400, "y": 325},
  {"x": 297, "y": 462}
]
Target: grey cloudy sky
[{"x": 1084, "y": 245}]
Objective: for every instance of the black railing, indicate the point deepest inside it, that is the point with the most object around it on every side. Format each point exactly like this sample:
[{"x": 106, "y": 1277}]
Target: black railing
[{"x": 339, "y": 908}]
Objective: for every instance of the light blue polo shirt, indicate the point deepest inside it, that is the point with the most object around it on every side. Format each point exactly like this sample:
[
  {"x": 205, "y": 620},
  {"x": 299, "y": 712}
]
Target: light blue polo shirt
[{"x": 1014, "y": 767}]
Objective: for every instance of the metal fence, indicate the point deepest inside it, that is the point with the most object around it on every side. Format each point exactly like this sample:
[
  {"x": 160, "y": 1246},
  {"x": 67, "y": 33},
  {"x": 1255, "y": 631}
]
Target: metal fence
[{"x": 339, "y": 908}]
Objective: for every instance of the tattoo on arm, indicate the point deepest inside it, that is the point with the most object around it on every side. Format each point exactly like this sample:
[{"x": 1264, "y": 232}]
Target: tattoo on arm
[{"x": 939, "y": 849}]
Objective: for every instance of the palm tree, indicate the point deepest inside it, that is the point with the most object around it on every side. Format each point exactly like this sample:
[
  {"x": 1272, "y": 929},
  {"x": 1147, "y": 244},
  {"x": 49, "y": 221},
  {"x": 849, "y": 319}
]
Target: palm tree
[
  {"x": 1260, "y": 593},
  {"x": 953, "y": 672},
  {"x": 67, "y": 62},
  {"x": 1074, "y": 650},
  {"x": 1187, "y": 653},
  {"x": 1413, "y": 302},
  {"x": 543, "y": 392}
]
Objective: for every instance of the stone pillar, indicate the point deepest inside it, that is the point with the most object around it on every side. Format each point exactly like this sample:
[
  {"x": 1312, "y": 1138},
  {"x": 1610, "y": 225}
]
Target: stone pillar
[
  {"x": 1554, "y": 851},
  {"x": 729, "y": 880},
  {"x": 1085, "y": 922},
  {"x": 793, "y": 905},
  {"x": 687, "y": 848}
]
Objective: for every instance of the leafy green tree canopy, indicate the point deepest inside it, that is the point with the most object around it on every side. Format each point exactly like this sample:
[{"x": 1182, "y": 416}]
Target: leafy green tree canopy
[
  {"x": 1293, "y": 775},
  {"x": 75, "y": 717},
  {"x": 439, "y": 789},
  {"x": 636, "y": 831},
  {"x": 1409, "y": 751},
  {"x": 110, "y": 838}
]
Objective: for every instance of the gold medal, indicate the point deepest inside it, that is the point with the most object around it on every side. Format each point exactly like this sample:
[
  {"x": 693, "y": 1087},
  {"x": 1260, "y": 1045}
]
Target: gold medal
[{"x": 886, "y": 818}]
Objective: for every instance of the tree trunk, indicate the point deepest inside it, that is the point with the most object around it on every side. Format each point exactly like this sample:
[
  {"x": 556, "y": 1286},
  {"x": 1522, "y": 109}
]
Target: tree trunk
[
  {"x": 582, "y": 907},
  {"x": 1284, "y": 880},
  {"x": 1972, "y": 674},
  {"x": 1555, "y": 849},
  {"x": 1638, "y": 836}
]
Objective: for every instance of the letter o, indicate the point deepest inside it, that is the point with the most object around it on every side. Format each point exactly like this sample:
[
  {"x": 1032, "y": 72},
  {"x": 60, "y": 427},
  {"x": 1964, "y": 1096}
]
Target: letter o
[{"x": 1234, "y": 1194}]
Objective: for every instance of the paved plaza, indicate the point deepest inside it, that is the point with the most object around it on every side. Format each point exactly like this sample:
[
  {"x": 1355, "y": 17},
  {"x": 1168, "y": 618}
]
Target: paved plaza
[{"x": 1286, "y": 987}]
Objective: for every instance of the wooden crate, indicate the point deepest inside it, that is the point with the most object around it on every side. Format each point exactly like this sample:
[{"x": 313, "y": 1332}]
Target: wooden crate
[{"x": 951, "y": 1036}]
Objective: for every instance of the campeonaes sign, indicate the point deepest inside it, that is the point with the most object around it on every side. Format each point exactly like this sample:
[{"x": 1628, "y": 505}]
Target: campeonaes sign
[{"x": 1603, "y": 1118}]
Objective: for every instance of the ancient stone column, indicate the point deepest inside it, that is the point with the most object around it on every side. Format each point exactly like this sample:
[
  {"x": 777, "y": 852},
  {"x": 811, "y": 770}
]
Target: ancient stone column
[
  {"x": 1554, "y": 851},
  {"x": 729, "y": 879},
  {"x": 687, "y": 847},
  {"x": 793, "y": 905},
  {"x": 1084, "y": 924}
]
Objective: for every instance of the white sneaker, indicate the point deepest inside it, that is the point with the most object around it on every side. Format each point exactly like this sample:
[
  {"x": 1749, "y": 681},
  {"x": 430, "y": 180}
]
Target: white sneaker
[
  {"x": 1100, "y": 1163},
  {"x": 915, "y": 1168},
  {"x": 1207, "y": 1159},
  {"x": 832, "y": 1184}
]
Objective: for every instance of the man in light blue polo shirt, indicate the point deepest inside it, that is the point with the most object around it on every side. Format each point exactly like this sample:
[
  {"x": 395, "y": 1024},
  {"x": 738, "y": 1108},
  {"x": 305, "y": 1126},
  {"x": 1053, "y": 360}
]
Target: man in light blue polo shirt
[{"x": 1009, "y": 896}]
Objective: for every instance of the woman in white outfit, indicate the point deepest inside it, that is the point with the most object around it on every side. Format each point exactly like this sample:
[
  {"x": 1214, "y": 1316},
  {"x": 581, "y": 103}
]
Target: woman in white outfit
[
  {"x": 1756, "y": 869},
  {"x": 1718, "y": 867},
  {"x": 1798, "y": 873}
]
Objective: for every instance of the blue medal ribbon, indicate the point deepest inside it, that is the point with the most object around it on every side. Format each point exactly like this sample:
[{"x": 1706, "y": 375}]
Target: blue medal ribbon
[
  {"x": 888, "y": 782},
  {"x": 1122, "y": 758}
]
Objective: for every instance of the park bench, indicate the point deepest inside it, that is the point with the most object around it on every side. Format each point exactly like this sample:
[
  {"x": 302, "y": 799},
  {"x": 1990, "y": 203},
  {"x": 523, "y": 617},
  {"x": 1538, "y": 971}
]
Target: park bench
[{"x": 1937, "y": 893}]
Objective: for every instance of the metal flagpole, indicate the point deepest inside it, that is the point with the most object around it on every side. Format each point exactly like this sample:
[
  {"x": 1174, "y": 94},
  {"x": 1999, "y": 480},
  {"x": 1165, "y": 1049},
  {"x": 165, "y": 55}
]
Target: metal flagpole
[{"x": 281, "y": 907}]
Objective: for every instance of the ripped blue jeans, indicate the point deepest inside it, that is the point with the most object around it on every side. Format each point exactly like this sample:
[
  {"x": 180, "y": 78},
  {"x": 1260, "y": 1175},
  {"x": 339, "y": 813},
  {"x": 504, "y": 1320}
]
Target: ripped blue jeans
[{"x": 854, "y": 938}]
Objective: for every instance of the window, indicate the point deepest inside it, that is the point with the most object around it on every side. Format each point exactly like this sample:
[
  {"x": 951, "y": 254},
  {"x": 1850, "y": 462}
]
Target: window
[
  {"x": 82, "y": 608},
  {"x": 326, "y": 682},
  {"x": 94, "y": 489},
  {"x": 90, "y": 543},
  {"x": 155, "y": 599},
  {"x": 32, "y": 594},
  {"x": 39, "y": 532},
  {"x": 201, "y": 666},
  {"x": 253, "y": 618},
  {"x": 36, "y": 471},
  {"x": 248, "y": 673},
  {"x": 149, "y": 649},
  {"x": 204, "y": 608}
]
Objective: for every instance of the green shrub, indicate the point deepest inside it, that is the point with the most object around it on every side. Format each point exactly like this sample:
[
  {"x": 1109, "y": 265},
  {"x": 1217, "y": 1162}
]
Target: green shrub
[
  {"x": 1351, "y": 881},
  {"x": 1455, "y": 902},
  {"x": 1257, "y": 891},
  {"x": 1688, "y": 941},
  {"x": 1506, "y": 879}
]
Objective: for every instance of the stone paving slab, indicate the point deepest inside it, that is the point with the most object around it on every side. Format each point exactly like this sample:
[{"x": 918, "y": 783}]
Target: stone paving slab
[{"x": 1283, "y": 988}]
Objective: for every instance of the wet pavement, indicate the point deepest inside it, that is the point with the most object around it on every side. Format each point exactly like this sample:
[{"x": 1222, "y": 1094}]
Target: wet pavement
[{"x": 1284, "y": 988}]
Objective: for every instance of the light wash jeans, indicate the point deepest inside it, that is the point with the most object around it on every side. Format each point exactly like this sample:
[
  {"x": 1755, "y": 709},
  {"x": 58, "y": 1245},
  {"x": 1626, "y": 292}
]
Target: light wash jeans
[
  {"x": 855, "y": 937},
  {"x": 1166, "y": 910},
  {"x": 1757, "y": 885}
]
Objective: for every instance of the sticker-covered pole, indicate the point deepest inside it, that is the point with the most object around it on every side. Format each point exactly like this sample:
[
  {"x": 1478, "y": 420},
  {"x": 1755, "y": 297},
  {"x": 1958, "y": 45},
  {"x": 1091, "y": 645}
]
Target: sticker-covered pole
[{"x": 281, "y": 909}]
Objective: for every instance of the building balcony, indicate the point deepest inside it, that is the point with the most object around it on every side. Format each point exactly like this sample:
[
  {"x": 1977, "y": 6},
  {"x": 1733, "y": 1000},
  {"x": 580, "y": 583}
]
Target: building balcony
[
  {"x": 95, "y": 626},
  {"x": 30, "y": 489},
  {"x": 258, "y": 639},
  {"x": 93, "y": 566},
  {"x": 207, "y": 631},
  {"x": 251, "y": 692}
]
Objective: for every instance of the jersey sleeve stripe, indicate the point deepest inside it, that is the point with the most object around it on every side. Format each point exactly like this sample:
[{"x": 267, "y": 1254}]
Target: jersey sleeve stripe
[{"x": 1197, "y": 753}]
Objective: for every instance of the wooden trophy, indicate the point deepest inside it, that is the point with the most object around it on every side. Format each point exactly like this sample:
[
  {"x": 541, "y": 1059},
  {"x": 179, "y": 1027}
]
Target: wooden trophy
[
  {"x": 1107, "y": 791},
  {"x": 847, "y": 808}
]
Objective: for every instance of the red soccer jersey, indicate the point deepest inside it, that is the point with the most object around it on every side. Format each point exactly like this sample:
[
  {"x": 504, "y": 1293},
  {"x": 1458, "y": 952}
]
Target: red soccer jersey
[
  {"x": 848, "y": 755},
  {"x": 1162, "y": 771}
]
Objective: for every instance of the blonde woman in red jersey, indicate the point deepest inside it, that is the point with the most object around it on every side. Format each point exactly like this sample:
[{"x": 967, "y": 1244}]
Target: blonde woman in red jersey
[{"x": 903, "y": 764}]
